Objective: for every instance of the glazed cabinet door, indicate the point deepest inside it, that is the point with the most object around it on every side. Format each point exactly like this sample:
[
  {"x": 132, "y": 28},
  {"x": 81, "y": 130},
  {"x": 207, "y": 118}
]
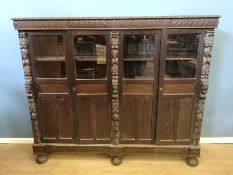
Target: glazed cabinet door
[
  {"x": 139, "y": 67},
  {"x": 178, "y": 85},
  {"x": 50, "y": 76},
  {"x": 90, "y": 86}
]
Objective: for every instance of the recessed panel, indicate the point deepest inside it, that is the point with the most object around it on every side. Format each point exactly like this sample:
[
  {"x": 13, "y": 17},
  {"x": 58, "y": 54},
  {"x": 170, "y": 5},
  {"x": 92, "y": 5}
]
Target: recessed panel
[
  {"x": 92, "y": 88},
  {"x": 133, "y": 88},
  {"x": 52, "y": 88},
  {"x": 179, "y": 88}
]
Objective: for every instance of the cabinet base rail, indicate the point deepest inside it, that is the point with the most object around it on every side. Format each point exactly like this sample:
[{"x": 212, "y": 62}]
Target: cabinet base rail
[{"x": 117, "y": 151}]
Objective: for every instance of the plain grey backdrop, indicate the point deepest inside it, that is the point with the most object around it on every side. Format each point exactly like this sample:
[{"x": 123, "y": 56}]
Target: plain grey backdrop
[{"x": 14, "y": 114}]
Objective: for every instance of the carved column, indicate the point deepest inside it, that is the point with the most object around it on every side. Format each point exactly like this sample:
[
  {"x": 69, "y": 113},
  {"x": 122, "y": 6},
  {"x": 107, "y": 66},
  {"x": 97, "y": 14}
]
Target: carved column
[
  {"x": 208, "y": 43},
  {"x": 114, "y": 44},
  {"x": 23, "y": 40}
]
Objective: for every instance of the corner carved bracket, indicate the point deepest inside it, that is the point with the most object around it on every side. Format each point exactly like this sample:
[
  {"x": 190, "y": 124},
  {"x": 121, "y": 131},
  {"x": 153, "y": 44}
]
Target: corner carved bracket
[
  {"x": 114, "y": 44},
  {"x": 208, "y": 43},
  {"x": 24, "y": 41}
]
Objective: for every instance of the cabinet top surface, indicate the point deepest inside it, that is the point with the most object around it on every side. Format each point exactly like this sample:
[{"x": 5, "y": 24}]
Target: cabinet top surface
[{"x": 126, "y": 22}]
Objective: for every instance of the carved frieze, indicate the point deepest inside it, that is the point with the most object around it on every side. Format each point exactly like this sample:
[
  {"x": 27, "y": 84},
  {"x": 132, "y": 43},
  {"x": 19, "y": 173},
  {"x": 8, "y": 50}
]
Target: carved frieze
[{"x": 116, "y": 23}]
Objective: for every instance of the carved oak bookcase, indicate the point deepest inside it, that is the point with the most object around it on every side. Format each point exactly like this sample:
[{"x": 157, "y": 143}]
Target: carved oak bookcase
[{"x": 117, "y": 85}]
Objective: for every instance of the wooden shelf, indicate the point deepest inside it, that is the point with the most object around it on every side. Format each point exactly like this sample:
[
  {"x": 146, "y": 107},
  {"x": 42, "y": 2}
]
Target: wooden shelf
[
  {"x": 139, "y": 58},
  {"x": 85, "y": 57},
  {"x": 138, "y": 78},
  {"x": 180, "y": 49},
  {"x": 89, "y": 58},
  {"x": 50, "y": 58},
  {"x": 172, "y": 42},
  {"x": 180, "y": 58},
  {"x": 192, "y": 64}
]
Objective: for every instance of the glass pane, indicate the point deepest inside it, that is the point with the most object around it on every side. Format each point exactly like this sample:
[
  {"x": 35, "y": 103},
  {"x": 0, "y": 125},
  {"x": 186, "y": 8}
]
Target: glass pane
[
  {"x": 138, "y": 69},
  {"x": 182, "y": 53},
  {"x": 182, "y": 46},
  {"x": 139, "y": 52},
  {"x": 90, "y": 56},
  {"x": 49, "y": 55},
  {"x": 180, "y": 69}
]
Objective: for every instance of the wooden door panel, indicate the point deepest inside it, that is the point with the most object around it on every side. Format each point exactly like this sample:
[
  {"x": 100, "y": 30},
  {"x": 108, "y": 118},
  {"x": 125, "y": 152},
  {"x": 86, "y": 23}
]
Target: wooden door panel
[
  {"x": 139, "y": 81},
  {"x": 52, "y": 88},
  {"x": 85, "y": 113},
  {"x": 56, "y": 120},
  {"x": 93, "y": 120},
  {"x": 184, "y": 119},
  {"x": 174, "y": 120},
  {"x": 102, "y": 118},
  {"x": 145, "y": 112},
  {"x": 65, "y": 121},
  {"x": 128, "y": 118},
  {"x": 141, "y": 88},
  {"x": 136, "y": 121},
  {"x": 48, "y": 117},
  {"x": 179, "y": 88},
  {"x": 89, "y": 88},
  {"x": 166, "y": 114}
]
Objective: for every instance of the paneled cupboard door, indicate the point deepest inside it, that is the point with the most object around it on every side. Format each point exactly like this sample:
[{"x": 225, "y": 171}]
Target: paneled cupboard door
[
  {"x": 49, "y": 64},
  {"x": 139, "y": 64},
  {"x": 90, "y": 86},
  {"x": 179, "y": 77}
]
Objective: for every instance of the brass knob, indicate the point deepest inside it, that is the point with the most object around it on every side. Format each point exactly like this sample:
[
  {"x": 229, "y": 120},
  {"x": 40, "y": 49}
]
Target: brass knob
[{"x": 160, "y": 89}]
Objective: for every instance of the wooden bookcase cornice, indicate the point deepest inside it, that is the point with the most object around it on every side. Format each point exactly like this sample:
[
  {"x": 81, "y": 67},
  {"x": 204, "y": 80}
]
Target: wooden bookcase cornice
[{"x": 95, "y": 23}]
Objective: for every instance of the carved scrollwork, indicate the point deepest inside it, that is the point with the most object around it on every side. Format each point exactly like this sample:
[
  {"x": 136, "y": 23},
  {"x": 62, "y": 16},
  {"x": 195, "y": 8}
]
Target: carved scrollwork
[
  {"x": 23, "y": 40},
  {"x": 204, "y": 85},
  {"x": 114, "y": 42}
]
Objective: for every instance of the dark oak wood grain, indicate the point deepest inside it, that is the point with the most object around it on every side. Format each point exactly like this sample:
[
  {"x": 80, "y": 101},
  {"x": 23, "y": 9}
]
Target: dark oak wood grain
[
  {"x": 117, "y": 85},
  {"x": 56, "y": 120}
]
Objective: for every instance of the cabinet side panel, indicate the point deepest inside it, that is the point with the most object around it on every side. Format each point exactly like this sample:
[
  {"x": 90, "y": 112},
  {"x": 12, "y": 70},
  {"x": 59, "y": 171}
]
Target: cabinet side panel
[
  {"x": 184, "y": 118},
  {"x": 85, "y": 115},
  {"x": 102, "y": 118},
  {"x": 167, "y": 114},
  {"x": 48, "y": 117},
  {"x": 128, "y": 118},
  {"x": 65, "y": 121},
  {"x": 145, "y": 108}
]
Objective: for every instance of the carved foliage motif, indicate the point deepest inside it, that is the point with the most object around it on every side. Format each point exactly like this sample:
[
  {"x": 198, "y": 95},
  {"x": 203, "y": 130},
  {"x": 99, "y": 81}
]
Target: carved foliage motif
[
  {"x": 208, "y": 42},
  {"x": 23, "y": 40},
  {"x": 114, "y": 43}
]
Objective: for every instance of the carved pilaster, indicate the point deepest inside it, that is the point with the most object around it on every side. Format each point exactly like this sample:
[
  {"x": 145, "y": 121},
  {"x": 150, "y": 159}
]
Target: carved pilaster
[
  {"x": 114, "y": 44},
  {"x": 208, "y": 43},
  {"x": 23, "y": 40}
]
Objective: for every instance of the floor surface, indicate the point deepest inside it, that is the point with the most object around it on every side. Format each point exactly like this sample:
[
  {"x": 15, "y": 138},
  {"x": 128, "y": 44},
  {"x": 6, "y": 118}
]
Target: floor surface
[{"x": 18, "y": 159}]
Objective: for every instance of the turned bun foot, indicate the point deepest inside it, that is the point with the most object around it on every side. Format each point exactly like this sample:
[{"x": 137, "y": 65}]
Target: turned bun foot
[
  {"x": 116, "y": 161},
  {"x": 41, "y": 158},
  {"x": 192, "y": 161}
]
